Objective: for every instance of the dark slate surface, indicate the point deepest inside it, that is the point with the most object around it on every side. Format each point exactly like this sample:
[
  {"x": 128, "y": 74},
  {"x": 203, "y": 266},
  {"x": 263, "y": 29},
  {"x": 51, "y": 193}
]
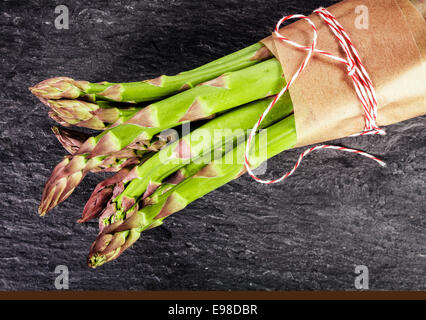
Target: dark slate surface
[{"x": 338, "y": 211}]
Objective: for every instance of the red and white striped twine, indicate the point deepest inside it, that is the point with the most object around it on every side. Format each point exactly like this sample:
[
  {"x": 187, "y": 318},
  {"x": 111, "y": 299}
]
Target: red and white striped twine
[{"x": 361, "y": 81}]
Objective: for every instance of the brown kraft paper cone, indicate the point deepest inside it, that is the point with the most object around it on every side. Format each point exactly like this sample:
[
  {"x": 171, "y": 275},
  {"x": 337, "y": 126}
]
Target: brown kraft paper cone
[{"x": 326, "y": 106}]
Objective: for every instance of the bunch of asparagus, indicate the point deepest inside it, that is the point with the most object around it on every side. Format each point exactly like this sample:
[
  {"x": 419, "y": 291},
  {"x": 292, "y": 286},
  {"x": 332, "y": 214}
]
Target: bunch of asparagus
[{"x": 156, "y": 175}]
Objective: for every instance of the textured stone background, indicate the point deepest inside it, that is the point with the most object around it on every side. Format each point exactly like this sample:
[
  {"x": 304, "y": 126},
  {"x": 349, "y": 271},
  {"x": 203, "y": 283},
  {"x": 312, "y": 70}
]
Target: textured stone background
[{"x": 338, "y": 211}]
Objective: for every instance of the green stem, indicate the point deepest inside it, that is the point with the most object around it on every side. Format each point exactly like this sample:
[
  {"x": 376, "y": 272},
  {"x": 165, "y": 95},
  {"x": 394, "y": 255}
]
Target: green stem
[
  {"x": 116, "y": 238},
  {"x": 226, "y": 92},
  {"x": 200, "y": 146},
  {"x": 148, "y": 90}
]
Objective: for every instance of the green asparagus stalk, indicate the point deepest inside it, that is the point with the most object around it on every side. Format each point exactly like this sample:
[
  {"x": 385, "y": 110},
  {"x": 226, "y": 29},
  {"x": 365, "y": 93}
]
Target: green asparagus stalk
[
  {"x": 172, "y": 181},
  {"x": 148, "y": 90},
  {"x": 97, "y": 116},
  {"x": 120, "y": 235},
  {"x": 201, "y": 145},
  {"x": 114, "y": 186},
  {"x": 223, "y": 93},
  {"x": 144, "y": 179}
]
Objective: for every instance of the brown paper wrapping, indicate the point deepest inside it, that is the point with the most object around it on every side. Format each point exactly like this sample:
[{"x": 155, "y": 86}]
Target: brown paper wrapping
[{"x": 326, "y": 106}]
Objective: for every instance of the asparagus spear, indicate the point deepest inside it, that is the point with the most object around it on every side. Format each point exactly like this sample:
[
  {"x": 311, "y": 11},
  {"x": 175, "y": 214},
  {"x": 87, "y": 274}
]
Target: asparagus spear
[
  {"x": 97, "y": 116},
  {"x": 121, "y": 234},
  {"x": 216, "y": 135},
  {"x": 223, "y": 93},
  {"x": 134, "y": 92},
  {"x": 231, "y": 126},
  {"x": 108, "y": 212}
]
